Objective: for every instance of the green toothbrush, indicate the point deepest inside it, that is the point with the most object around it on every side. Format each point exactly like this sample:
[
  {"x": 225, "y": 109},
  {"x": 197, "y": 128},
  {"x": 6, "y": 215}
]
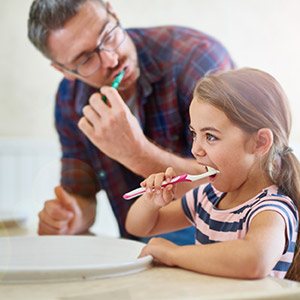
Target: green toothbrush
[{"x": 115, "y": 84}]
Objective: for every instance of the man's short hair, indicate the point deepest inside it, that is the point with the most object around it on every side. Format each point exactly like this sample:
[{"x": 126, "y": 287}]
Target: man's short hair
[{"x": 49, "y": 15}]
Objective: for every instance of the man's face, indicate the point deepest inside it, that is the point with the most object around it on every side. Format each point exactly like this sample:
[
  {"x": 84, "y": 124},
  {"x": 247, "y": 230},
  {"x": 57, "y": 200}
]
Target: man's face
[{"x": 71, "y": 45}]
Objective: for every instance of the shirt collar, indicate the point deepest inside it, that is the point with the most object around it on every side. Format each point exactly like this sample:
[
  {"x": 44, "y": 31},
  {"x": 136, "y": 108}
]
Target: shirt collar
[
  {"x": 148, "y": 66},
  {"x": 150, "y": 72}
]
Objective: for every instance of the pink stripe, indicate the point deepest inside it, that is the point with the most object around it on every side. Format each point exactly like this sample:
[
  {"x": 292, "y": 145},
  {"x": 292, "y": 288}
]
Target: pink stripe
[
  {"x": 277, "y": 274},
  {"x": 294, "y": 237},
  {"x": 190, "y": 202},
  {"x": 287, "y": 257}
]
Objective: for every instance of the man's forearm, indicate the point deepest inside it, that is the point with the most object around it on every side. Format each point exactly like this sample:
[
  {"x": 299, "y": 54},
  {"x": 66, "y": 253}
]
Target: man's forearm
[{"x": 152, "y": 159}]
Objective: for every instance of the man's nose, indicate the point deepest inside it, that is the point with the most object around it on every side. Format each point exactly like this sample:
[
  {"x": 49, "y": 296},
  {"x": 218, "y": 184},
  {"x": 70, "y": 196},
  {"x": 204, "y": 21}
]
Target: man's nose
[{"x": 109, "y": 59}]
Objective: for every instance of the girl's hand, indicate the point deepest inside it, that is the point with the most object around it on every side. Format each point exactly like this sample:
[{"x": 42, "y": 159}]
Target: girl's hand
[
  {"x": 161, "y": 250},
  {"x": 159, "y": 195}
]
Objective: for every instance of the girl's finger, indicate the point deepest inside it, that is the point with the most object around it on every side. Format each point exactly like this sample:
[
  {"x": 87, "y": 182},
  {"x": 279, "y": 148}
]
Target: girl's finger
[
  {"x": 169, "y": 174},
  {"x": 159, "y": 178}
]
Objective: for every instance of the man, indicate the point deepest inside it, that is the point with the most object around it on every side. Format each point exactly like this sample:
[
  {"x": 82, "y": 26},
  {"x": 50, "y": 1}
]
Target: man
[{"x": 141, "y": 129}]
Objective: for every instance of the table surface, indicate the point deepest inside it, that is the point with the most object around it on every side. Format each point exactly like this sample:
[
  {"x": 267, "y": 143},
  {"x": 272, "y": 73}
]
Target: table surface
[{"x": 158, "y": 282}]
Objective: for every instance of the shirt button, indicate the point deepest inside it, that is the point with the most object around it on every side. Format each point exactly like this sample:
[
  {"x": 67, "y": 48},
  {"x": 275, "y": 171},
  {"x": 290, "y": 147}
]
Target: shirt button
[{"x": 102, "y": 174}]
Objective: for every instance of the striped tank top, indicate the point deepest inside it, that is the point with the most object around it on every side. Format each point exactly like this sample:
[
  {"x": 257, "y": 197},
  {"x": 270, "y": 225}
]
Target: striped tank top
[{"x": 215, "y": 225}]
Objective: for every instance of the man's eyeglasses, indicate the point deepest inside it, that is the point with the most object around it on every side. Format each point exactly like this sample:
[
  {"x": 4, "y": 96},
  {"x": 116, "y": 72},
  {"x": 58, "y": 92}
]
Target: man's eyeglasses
[{"x": 92, "y": 60}]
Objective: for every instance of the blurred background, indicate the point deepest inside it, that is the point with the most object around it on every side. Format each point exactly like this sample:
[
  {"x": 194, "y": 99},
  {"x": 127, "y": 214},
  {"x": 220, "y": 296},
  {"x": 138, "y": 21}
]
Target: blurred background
[{"x": 262, "y": 34}]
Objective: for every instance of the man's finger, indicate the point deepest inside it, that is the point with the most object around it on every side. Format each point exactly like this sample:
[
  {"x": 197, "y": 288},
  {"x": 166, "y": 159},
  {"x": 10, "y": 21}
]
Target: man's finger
[
  {"x": 56, "y": 211},
  {"x": 98, "y": 104},
  {"x": 91, "y": 115},
  {"x": 86, "y": 127},
  {"x": 113, "y": 97},
  {"x": 45, "y": 229},
  {"x": 57, "y": 224},
  {"x": 67, "y": 200}
]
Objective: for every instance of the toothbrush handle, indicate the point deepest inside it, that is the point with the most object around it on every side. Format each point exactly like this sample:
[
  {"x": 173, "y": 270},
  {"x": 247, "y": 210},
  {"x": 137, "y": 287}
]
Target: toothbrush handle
[
  {"x": 115, "y": 84},
  {"x": 142, "y": 190}
]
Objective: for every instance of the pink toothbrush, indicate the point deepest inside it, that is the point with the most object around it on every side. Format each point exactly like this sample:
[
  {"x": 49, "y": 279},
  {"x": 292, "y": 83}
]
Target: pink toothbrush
[{"x": 177, "y": 179}]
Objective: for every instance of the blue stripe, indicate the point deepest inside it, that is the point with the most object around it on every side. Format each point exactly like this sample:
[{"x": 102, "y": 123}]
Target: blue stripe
[
  {"x": 214, "y": 199},
  {"x": 210, "y": 194},
  {"x": 291, "y": 247},
  {"x": 195, "y": 195},
  {"x": 203, "y": 214},
  {"x": 291, "y": 207},
  {"x": 219, "y": 225},
  {"x": 240, "y": 210},
  {"x": 203, "y": 239},
  {"x": 186, "y": 209},
  {"x": 262, "y": 195},
  {"x": 259, "y": 197},
  {"x": 282, "y": 266},
  {"x": 291, "y": 204}
]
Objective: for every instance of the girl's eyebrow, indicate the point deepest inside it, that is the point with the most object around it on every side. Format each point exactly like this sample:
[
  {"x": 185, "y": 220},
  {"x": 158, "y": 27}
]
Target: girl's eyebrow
[
  {"x": 205, "y": 129},
  {"x": 209, "y": 129}
]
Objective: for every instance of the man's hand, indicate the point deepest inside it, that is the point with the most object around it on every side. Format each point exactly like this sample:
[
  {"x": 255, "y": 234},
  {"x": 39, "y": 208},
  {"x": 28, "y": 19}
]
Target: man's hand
[
  {"x": 115, "y": 131},
  {"x": 111, "y": 127},
  {"x": 67, "y": 214}
]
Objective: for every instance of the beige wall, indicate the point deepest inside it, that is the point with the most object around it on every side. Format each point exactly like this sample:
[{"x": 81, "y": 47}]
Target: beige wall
[{"x": 258, "y": 33}]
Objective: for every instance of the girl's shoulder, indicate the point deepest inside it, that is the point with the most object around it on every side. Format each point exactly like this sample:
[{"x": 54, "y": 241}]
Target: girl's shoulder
[
  {"x": 272, "y": 198},
  {"x": 273, "y": 194}
]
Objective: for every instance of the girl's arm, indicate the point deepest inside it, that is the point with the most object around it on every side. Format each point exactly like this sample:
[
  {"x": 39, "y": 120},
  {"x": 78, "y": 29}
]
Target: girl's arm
[
  {"x": 155, "y": 212},
  {"x": 252, "y": 257},
  {"x": 145, "y": 218}
]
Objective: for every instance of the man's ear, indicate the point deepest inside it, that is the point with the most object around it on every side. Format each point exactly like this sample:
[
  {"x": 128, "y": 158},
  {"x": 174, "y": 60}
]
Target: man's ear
[
  {"x": 111, "y": 10},
  {"x": 66, "y": 74},
  {"x": 263, "y": 141}
]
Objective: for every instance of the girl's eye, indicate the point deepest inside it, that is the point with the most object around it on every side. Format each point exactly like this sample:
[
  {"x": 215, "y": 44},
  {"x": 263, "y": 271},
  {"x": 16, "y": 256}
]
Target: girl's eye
[
  {"x": 210, "y": 137},
  {"x": 193, "y": 134}
]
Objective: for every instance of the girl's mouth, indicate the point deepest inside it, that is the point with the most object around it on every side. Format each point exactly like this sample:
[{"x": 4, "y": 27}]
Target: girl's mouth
[{"x": 210, "y": 169}]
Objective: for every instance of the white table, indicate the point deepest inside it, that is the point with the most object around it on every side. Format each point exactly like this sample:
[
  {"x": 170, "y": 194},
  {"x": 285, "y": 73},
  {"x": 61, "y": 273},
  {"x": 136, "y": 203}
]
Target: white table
[{"x": 156, "y": 283}]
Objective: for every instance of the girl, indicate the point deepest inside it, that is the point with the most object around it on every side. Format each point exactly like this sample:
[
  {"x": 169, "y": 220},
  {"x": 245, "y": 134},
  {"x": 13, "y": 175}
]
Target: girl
[{"x": 246, "y": 217}]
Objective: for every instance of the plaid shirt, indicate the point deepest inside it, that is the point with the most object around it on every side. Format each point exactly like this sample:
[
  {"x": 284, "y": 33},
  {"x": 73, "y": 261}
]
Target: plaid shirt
[{"x": 171, "y": 59}]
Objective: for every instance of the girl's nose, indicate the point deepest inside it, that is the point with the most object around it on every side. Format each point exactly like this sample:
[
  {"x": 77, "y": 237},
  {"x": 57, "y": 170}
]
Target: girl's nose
[
  {"x": 109, "y": 59},
  {"x": 198, "y": 151}
]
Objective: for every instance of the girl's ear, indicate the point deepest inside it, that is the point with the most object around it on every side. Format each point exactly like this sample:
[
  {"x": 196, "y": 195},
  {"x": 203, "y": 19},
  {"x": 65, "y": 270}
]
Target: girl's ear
[
  {"x": 264, "y": 141},
  {"x": 66, "y": 74}
]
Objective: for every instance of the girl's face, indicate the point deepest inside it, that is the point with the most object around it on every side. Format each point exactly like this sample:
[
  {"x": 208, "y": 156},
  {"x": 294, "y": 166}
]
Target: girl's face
[{"x": 220, "y": 144}]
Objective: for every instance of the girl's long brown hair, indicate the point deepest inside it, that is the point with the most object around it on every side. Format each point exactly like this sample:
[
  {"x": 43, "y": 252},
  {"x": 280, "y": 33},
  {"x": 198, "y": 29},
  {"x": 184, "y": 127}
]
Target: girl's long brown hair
[{"x": 253, "y": 99}]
